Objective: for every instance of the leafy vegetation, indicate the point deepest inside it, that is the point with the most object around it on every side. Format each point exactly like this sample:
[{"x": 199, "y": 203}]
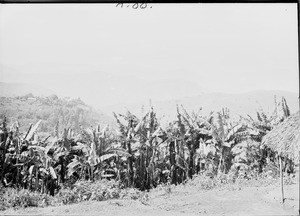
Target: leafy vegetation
[{"x": 100, "y": 163}]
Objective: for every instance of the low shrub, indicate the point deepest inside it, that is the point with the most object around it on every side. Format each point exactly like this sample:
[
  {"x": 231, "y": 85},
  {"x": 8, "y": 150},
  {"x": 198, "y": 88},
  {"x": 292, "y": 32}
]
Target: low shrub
[
  {"x": 80, "y": 191},
  {"x": 131, "y": 193},
  {"x": 89, "y": 191},
  {"x": 15, "y": 198},
  {"x": 202, "y": 182},
  {"x": 104, "y": 189},
  {"x": 232, "y": 180}
]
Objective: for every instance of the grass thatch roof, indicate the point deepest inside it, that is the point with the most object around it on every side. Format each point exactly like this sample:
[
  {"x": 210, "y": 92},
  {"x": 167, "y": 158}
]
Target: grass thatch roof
[{"x": 285, "y": 138}]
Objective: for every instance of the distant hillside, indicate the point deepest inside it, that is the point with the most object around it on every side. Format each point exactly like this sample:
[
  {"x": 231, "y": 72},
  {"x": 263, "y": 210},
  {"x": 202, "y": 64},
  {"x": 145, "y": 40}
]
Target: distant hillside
[
  {"x": 19, "y": 89},
  {"x": 239, "y": 104},
  {"x": 68, "y": 112},
  {"x": 102, "y": 89}
]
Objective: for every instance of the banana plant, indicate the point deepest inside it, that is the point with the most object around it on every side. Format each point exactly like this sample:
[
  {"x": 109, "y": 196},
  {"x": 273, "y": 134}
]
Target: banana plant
[
  {"x": 127, "y": 137},
  {"x": 99, "y": 148},
  {"x": 43, "y": 167},
  {"x": 225, "y": 135},
  {"x": 196, "y": 132},
  {"x": 263, "y": 123},
  {"x": 61, "y": 153},
  {"x": 13, "y": 160}
]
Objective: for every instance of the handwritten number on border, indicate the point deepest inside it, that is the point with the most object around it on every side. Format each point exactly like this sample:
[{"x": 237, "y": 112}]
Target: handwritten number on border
[
  {"x": 135, "y": 5},
  {"x": 120, "y": 4},
  {"x": 143, "y": 5}
]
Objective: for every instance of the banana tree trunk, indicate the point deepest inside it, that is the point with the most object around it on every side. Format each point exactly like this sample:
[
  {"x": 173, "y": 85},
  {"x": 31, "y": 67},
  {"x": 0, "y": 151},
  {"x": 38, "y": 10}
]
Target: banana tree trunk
[
  {"x": 191, "y": 164},
  {"x": 221, "y": 161},
  {"x": 152, "y": 167},
  {"x": 142, "y": 170},
  {"x": 43, "y": 185},
  {"x": 51, "y": 187},
  {"x": 129, "y": 166},
  {"x": 62, "y": 171},
  {"x": 46, "y": 185},
  {"x": 92, "y": 173},
  {"x": 3, "y": 151},
  {"x": 178, "y": 162},
  {"x": 172, "y": 152},
  {"x": 17, "y": 161},
  {"x": 192, "y": 151},
  {"x": 173, "y": 162},
  {"x": 30, "y": 183},
  {"x": 220, "y": 165},
  {"x": 36, "y": 179}
]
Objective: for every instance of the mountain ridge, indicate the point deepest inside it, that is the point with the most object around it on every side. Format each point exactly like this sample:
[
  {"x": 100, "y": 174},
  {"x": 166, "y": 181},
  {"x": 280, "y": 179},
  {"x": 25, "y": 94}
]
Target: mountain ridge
[
  {"x": 52, "y": 110},
  {"x": 242, "y": 103},
  {"x": 238, "y": 103},
  {"x": 20, "y": 89}
]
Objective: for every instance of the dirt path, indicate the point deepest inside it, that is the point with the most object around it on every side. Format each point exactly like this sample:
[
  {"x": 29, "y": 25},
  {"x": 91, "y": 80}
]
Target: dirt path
[{"x": 246, "y": 201}]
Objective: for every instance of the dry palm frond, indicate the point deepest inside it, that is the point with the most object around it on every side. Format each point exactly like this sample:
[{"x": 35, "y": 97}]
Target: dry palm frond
[
  {"x": 56, "y": 129},
  {"x": 285, "y": 108}
]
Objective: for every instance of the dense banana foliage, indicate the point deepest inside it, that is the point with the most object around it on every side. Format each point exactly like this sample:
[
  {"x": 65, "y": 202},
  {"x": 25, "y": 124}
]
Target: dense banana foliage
[{"x": 139, "y": 153}]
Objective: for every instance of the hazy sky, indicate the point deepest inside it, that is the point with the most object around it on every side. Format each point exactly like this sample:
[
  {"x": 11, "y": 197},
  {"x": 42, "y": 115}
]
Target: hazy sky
[{"x": 220, "y": 47}]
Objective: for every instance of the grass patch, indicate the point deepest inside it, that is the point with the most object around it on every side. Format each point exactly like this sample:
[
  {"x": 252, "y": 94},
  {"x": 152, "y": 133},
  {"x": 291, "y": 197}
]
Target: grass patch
[
  {"x": 80, "y": 191},
  {"x": 105, "y": 190},
  {"x": 231, "y": 181},
  {"x": 89, "y": 191},
  {"x": 15, "y": 198}
]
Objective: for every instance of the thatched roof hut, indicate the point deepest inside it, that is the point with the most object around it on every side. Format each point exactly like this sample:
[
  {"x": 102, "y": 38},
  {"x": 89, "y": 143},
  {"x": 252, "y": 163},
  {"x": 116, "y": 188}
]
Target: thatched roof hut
[{"x": 285, "y": 138}]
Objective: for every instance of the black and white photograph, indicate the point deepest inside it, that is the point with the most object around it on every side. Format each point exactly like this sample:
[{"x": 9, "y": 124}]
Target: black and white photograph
[{"x": 149, "y": 109}]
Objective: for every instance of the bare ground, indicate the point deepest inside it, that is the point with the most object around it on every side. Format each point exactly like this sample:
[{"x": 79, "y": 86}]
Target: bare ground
[{"x": 243, "y": 201}]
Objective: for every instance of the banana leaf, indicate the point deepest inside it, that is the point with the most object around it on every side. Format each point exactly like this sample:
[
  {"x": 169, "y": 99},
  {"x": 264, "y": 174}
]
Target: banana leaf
[{"x": 32, "y": 131}]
